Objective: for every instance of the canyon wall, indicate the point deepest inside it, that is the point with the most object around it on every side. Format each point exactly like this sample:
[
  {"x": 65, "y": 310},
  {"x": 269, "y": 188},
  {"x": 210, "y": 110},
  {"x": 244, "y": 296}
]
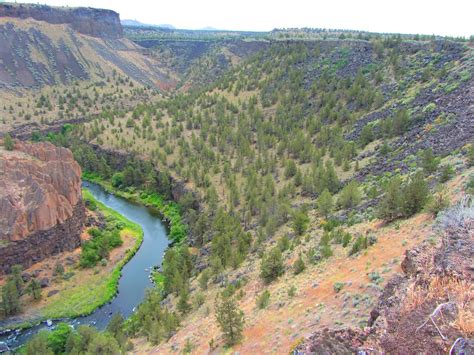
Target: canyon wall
[
  {"x": 41, "y": 208},
  {"x": 93, "y": 22},
  {"x": 44, "y": 46}
]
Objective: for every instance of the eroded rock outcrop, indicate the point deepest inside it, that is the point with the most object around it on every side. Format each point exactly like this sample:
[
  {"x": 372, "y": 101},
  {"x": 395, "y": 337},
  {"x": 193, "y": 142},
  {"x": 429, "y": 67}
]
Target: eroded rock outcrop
[
  {"x": 41, "y": 208},
  {"x": 89, "y": 21}
]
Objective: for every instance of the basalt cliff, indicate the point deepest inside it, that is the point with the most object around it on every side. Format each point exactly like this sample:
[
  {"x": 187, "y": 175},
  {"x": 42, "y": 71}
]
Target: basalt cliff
[
  {"x": 42, "y": 46},
  {"x": 41, "y": 208},
  {"x": 93, "y": 22}
]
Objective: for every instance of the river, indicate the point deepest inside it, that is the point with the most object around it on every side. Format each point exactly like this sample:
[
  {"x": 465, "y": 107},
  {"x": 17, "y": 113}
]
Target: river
[{"x": 135, "y": 274}]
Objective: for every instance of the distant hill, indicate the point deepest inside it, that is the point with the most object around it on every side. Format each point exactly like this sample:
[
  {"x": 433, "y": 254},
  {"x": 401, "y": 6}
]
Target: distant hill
[
  {"x": 207, "y": 28},
  {"x": 128, "y": 22},
  {"x": 135, "y": 23}
]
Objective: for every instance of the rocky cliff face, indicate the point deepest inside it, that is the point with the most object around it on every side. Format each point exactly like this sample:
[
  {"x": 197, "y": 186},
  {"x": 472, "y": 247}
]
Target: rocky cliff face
[
  {"x": 93, "y": 22},
  {"x": 41, "y": 209}
]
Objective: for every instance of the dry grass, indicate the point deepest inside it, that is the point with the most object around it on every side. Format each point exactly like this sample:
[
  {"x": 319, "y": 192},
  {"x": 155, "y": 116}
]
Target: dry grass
[
  {"x": 441, "y": 289},
  {"x": 465, "y": 321},
  {"x": 414, "y": 298},
  {"x": 461, "y": 292},
  {"x": 464, "y": 294}
]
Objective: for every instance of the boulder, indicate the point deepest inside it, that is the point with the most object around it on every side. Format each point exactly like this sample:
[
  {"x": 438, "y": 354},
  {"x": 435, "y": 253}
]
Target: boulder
[
  {"x": 52, "y": 293},
  {"x": 26, "y": 277},
  {"x": 44, "y": 282}
]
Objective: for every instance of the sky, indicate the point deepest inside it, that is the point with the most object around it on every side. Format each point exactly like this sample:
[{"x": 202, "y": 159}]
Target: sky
[{"x": 451, "y": 17}]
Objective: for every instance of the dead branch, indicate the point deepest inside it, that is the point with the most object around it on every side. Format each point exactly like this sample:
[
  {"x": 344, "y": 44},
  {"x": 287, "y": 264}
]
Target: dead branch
[
  {"x": 454, "y": 344},
  {"x": 433, "y": 314}
]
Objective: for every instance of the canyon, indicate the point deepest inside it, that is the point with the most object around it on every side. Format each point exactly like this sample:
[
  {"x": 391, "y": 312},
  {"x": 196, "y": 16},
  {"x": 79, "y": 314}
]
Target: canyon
[{"x": 309, "y": 176}]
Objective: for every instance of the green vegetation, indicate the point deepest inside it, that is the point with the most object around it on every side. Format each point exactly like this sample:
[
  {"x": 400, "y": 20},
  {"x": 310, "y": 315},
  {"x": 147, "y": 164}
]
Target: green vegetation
[
  {"x": 34, "y": 289},
  {"x": 447, "y": 172},
  {"x": 381, "y": 40},
  {"x": 300, "y": 222},
  {"x": 403, "y": 200},
  {"x": 230, "y": 319},
  {"x": 263, "y": 300},
  {"x": 12, "y": 290},
  {"x": 292, "y": 291},
  {"x": 170, "y": 210},
  {"x": 152, "y": 320},
  {"x": 85, "y": 340},
  {"x": 361, "y": 243},
  {"x": 8, "y": 142},
  {"x": 350, "y": 195},
  {"x": 299, "y": 265},
  {"x": 429, "y": 161},
  {"x": 98, "y": 248},
  {"x": 272, "y": 266},
  {"x": 439, "y": 201},
  {"x": 230, "y": 243},
  {"x": 84, "y": 299},
  {"x": 338, "y": 286},
  {"x": 10, "y": 298},
  {"x": 38, "y": 344},
  {"x": 470, "y": 185},
  {"x": 470, "y": 155},
  {"x": 325, "y": 203},
  {"x": 366, "y": 135}
]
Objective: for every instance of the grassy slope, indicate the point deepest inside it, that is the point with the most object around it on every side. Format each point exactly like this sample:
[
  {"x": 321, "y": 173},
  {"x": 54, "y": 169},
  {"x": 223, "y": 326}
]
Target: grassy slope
[{"x": 315, "y": 305}]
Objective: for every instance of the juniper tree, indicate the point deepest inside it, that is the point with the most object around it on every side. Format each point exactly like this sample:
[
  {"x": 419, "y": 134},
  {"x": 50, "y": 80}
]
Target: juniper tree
[
  {"x": 104, "y": 344},
  {"x": 299, "y": 265},
  {"x": 300, "y": 222},
  {"x": 415, "y": 194},
  {"x": 34, "y": 289},
  {"x": 428, "y": 161},
  {"x": 390, "y": 206},
  {"x": 38, "y": 344},
  {"x": 230, "y": 319},
  {"x": 10, "y": 298},
  {"x": 16, "y": 277},
  {"x": 325, "y": 203},
  {"x": 272, "y": 265},
  {"x": 350, "y": 195},
  {"x": 8, "y": 142}
]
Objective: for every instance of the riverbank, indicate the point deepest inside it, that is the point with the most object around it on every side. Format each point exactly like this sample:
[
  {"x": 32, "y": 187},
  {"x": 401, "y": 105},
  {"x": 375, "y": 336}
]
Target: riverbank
[
  {"x": 170, "y": 210},
  {"x": 80, "y": 291}
]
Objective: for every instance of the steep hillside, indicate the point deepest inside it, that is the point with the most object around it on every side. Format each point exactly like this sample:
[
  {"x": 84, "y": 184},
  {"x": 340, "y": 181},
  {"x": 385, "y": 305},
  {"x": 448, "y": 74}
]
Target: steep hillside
[
  {"x": 57, "y": 59},
  {"x": 37, "y": 53},
  {"x": 303, "y": 155},
  {"x": 302, "y": 103},
  {"x": 425, "y": 309}
]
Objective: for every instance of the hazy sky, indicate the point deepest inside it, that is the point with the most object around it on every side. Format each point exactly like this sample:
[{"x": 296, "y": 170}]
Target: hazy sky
[{"x": 449, "y": 17}]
